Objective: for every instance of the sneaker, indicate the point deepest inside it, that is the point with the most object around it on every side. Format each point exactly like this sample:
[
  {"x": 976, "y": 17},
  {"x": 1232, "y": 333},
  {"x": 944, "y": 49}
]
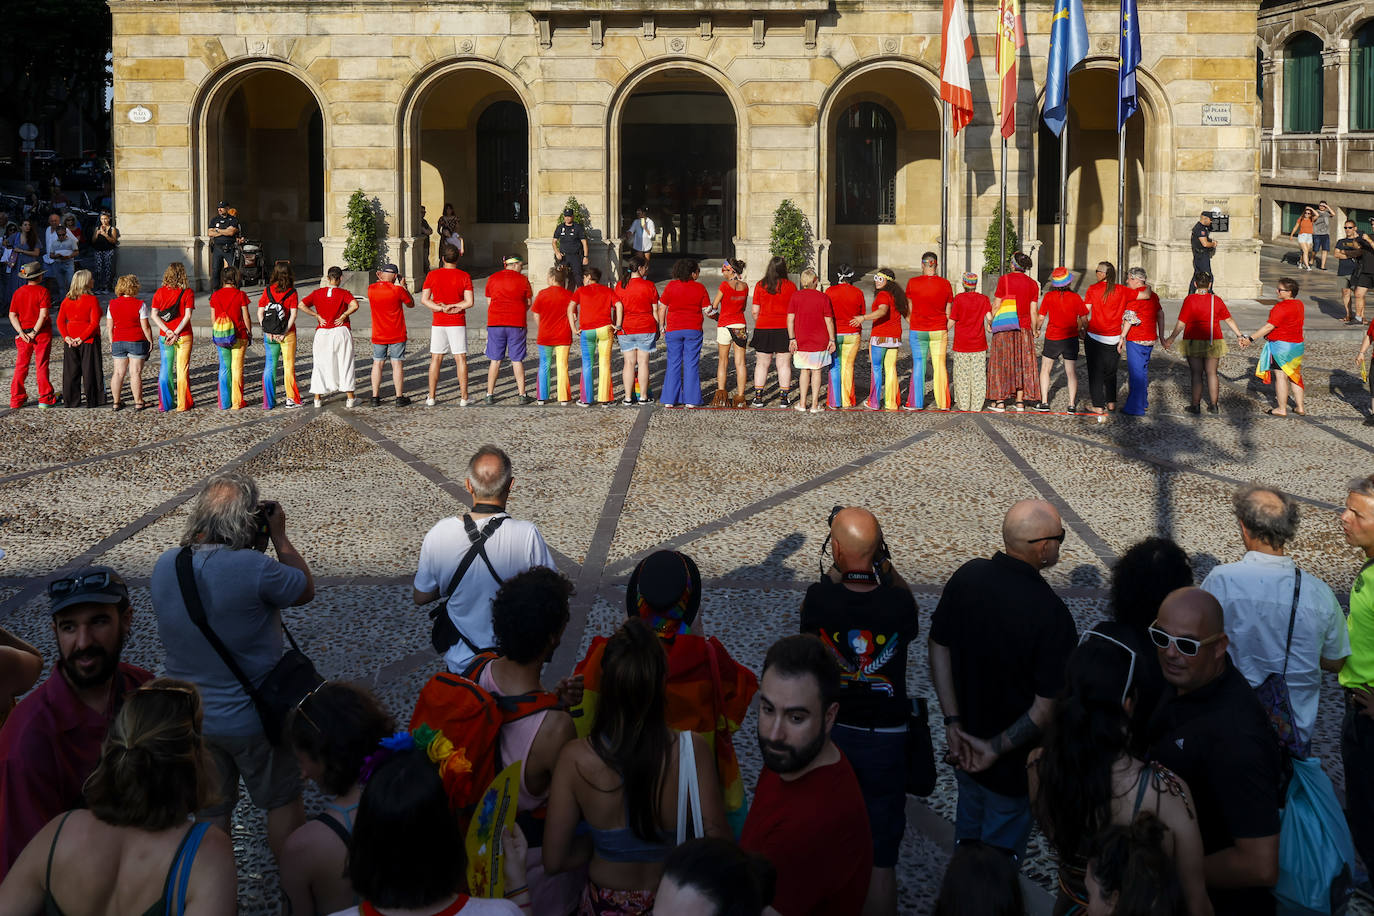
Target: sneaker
[
  {"x": 1073, "y": 409},
  {"x": 643, "y": 401},
  {"x": 429, "y": 402},
  {"x": 998, "y": 407},
  {"x": 318, "y": 402},
  {"x": 1020, "y": 407},
  {"x": 908, "y": 407},
  {"x": 540, "y": 403},
  {"x": 350, "y": 402},
  {"x": 582, "y": 404},
  {"x": 489, "y": 400},
  {"x": 567, "y": 403},
  {"x": 292, "y": 405},
  {"x": 402, "y": 401},
  {"x": 1194, "y": 409},
  {"x": 1041, "y": 406},
  {"x": 376, "y": 401},
  {"x": 1214, "y": 408},
  {"x": 799, "y": 406},
  {"x": 42, "y": 406},
  {"x": 462, "y": 402},
  {"x": 525, "y": 400},
  {"x": 627, "y": 401},
  {"x": 757, "y": 402},
  {"x": 818, "y": 409},
  {"x": 691, "y": 406}
]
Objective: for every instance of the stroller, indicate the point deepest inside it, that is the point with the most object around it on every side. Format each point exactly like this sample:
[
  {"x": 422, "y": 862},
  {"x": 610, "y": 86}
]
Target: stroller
[{"x": 252, "y": 263}]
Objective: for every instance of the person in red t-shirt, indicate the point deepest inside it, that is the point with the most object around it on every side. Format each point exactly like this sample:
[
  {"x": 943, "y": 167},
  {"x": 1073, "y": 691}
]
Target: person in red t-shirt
[
  {"x": 889, "y": 308},
  {"x": 1063, "y": 316},
  {"x": 448, "y": 294},
  {"x": 685, "y": 304},
  {"x": 731, "y": 333},
  {"x": 811, "y": 337},
  {"x": 29, "y": 308},
  {"x": 78, "y": 321},
  {"x": 642, "y": 319},
  {"x": 332, "y": 349},
  {"x": 808, "y": 817},
  {"x": 277, "y": 309},
  {"x": 131, "y": 339},
  {"x": 771, "y": 295},
  {"x": 1011, "y": 355},
  {"x": 1142, "y": 326},
  {"x": 1199, "y": 320},
  {"x": 929, "y": 296},
  {"x": 970, "y": 318},
  {"x": 846, "y": 303},
  {"x": 387, "y": 300},
  {"x": 553, "y": 338},
  {"x": 594, "y": 315},
  {"x": 508, "y": 303},
  {"x": 1283, "y": 347},
  {"x": 228, "y": 304},
  {"x": 1106, "y": 300},
  {"x": 171, "y": 309}
]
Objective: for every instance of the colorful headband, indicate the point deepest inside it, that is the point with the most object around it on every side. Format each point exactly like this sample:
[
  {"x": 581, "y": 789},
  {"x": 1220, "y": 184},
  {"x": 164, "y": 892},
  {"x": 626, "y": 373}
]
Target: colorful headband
[
  {"x": 455, "y": 769},
  {"x": 889, "y": 277}
]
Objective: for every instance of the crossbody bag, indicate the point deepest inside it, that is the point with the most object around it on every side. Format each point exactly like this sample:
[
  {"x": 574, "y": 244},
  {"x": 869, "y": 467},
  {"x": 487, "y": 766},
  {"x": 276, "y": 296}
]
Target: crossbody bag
[
  {"x": 444, "y": 634},
  {"x": 1273, "y": 690}
]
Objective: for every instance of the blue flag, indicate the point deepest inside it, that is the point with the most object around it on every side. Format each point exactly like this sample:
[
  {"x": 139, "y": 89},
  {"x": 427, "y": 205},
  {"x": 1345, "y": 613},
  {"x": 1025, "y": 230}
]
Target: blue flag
[
  {"x": 1068, "y": 46},
  {"x": 1127, "y": 102}
]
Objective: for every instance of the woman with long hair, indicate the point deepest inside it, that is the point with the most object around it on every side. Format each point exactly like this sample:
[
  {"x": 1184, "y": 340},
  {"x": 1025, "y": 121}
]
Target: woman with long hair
[
  {"x": 889, "y": 308},
  {"x": 847, "y": 303},
  {"x": 133, "y": 849},
  {"x": 131, "y": 339},
  {"x": 1083, "y": 778},
  {"x": 553, "y": 337},
  {"x": 171, "y": 314},
  {"x": 277, "y": 308},
  {"x": 622, "y": 781},
  {"x": 594, "y": 315},
  {"x": 78, "y": 321},
  {"x": 1011, "y": 353},
  {"x": 731, "y": 339},
  {"x": 1129, "y": 872},
  {"x": 771, "y": 297},
  {"x": 25, "y": 248},
  {"x": 103, "y": 244},
  {"x": 1303, "y": 231},
  {"x": 685, "y": 304},
  {"x": 641, "y": 317},
  {"x": 1199, "y": 320},
  {"x": 1106, "y": 300}
]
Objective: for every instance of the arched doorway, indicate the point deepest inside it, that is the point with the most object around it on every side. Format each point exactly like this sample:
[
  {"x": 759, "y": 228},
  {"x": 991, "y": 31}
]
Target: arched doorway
[
  {"x": 473, "y": 152},
  {"x": 881, "y": 181},
  {"x": 678, "y": 161},
  {"x": 264, "y": 155}
]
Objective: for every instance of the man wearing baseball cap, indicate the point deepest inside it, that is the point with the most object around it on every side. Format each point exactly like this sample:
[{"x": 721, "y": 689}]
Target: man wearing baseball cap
[
  {"x": 388, "y": 301},
  {"x": 51, "y": 742},
  {"x": 224, "y": 232},
  {"x": 508, "y": 302},
  {"x": 570, "y": 248}
]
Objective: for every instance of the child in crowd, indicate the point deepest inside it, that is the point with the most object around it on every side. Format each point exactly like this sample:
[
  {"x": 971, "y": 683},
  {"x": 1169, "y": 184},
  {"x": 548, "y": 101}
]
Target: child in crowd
[
  {"x": 331, "y": 305},
  {"x": 553, "y": 337},
  {"x": 232, "y": 332}
]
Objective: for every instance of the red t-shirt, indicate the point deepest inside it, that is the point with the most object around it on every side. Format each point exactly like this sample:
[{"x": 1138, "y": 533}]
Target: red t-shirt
[
  {"x": 1105, "y": 320},
  {"x": 772, "y": 306},
  {"x": 126, "y": 313},
  {"x": 387, "y": 302},
  {"x": 732, "y": 302},
  {"x": 1202, "y": 315},
  {"x": 27, "y": 301},
  {"x": 595, "y": 302},
  {"x": 79, "y": 318},
  {"x": 1023, "y": 289},
  {"x": 638, "y": 297},
  {"x": 508, "y": 295},
  {"x": 228, "y": 302},
  {"x": 551, "y": 305},
  {"x": 810, "y": 307},
  {"x": 967, "y": 312},
  {"x": 890, "y": 325},
  {"x": 288, "y": 300},
  {"x": 167, "y": 296},
  {"x": 846, "y": 302},
  {"x": 1147, "y": 310},
  {"x": 446, "y": 286},
  {"x": 814, "y": 830},
  {"x": 329, "y": 302},
  {"x": 684, "y": 302},
  {"x": 1286, "y": 317},
  {"x": 929, "y": 297},
  {"x": 1062, "y": 308}
]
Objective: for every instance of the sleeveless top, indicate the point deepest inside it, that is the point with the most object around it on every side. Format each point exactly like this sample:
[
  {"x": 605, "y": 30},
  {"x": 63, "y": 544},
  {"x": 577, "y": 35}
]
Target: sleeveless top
[
  {"x": 517, "y": 737},
  {"x": 174, "y": 888}
]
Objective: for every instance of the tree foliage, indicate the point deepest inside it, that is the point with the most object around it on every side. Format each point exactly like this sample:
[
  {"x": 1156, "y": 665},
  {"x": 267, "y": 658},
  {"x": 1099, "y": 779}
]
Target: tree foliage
[
  {"x": 581, "y": 215},
  {"x": 363, "y": 246},
  {"x": 992, "y": 244},
  {"x": 791, "y": 237},
  {"x": 54, "y": 56}
]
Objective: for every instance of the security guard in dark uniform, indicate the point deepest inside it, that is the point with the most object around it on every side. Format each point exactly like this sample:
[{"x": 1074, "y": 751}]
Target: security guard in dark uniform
[
  {"x": 570, "y": 248},
  {"x": 224, "y": 233},
  {"x": 1203, "y": 248}
]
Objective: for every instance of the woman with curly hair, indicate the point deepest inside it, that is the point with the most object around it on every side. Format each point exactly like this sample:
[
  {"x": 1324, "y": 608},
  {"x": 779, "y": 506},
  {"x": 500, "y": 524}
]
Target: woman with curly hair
[
  {"x": 171, "y": 314},
  {"x": 1129, "y": 872}
]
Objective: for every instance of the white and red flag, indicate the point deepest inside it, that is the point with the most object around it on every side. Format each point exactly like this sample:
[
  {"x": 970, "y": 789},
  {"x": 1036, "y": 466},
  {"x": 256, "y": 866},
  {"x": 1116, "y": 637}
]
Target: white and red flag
[{"x": 956, "y": 50}]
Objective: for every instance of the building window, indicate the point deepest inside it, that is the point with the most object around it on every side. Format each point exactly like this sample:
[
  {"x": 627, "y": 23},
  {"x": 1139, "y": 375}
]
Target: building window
[
  {"x": 503, "y": 164},
  {"x": 1362, "y": 78},
  {"x": 866, "y": 166},
  {"x": 1302, "y": 84}
]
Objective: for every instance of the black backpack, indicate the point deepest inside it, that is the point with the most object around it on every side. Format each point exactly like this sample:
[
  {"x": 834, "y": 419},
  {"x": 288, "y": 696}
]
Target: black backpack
[{"x": 274, "y": 317}]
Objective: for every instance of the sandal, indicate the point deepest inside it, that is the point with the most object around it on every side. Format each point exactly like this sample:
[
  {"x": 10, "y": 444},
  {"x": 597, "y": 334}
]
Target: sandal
[
  {"x": 139, "y": 405},
  {"x": 116, "y": 406},
  {"x": 1274, "y": 412}
]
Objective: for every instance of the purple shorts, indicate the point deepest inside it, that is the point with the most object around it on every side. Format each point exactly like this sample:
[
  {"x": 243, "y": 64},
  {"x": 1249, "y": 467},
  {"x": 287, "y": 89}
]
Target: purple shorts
[{"x": 506, "y": 343}]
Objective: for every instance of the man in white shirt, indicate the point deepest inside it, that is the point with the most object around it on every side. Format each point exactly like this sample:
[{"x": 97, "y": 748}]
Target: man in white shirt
[
  {"x": 1257, "y": 597},
  {"x": 60, "y": 255},
  {"x": 490, "y": 545},
  {"x": 641, "y": 234}
]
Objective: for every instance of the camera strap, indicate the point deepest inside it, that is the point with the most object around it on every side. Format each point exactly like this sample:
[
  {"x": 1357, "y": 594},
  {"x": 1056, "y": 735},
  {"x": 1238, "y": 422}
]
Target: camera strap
[{"x": 859, "y": 576}]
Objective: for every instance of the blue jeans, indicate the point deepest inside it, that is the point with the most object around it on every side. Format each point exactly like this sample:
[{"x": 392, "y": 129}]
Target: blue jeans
[
  {"x": 62, "y": 272},
  {"x": 998, "y": 820},
  {"x": 1138, "y": 371},
  {"x": 682, "y": 382}
]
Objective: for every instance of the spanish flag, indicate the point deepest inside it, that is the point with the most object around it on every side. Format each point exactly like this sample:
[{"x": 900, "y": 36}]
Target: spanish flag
[{"x": 1010, "y": 38}]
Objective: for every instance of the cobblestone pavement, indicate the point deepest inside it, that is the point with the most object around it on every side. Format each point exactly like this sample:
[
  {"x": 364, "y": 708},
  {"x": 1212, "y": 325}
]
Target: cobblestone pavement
[{"x": 745, "y": 492}]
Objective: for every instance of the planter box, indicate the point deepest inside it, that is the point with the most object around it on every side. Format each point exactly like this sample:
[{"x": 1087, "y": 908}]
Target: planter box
[{"x": 357, "y": 281}]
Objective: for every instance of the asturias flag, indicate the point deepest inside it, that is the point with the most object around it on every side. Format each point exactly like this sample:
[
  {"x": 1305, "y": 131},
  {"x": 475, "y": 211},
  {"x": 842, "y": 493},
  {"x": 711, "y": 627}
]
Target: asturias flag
[
  {"x": 1127, "y": 101},
  {"x": 1010, "y": 37},
  {"x": 956, "y": 50},
  {"x": 1068, "y": 46}
]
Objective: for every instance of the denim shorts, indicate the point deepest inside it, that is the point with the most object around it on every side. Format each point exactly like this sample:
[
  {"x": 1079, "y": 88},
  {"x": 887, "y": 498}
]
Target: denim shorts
[
  {"x": 123, "y": 349},
  {"x": 381, "y": 352},
  {"x": 630, "y": 342}
]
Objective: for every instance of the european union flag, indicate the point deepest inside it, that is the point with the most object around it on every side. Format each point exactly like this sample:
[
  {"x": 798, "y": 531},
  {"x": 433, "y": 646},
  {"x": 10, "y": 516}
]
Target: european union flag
[
  {"x": 1127, "y": 101},
  {"x": 1068, "y": 46}
]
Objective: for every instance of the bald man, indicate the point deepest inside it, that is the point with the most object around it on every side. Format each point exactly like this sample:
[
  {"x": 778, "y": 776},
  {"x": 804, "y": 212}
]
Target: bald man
[
  {"x": 1212, "y": 731},
  {"x": 999, "y": 643},
  {"x": 868, "y": 619}
]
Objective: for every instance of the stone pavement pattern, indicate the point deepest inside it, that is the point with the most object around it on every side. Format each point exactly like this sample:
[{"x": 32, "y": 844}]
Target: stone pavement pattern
[{"x": 745, "y": 492}]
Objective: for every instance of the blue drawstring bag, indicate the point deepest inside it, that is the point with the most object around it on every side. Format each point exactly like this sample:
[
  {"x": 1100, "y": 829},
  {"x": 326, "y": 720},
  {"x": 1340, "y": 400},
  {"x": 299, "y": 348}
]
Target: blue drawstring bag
[{"x": 1316, "y": 855}]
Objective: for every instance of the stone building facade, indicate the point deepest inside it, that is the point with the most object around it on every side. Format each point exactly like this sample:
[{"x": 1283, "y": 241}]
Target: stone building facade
[
  {"x": 708, "y": 114},
  {"x": 1316, "y": 63}
]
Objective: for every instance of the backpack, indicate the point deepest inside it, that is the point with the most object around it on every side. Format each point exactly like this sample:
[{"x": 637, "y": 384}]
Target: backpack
[
  {"x": 471, "y": 718},
  {"x": 274, "y": 317},
  {"x": 223, "y": 333}
]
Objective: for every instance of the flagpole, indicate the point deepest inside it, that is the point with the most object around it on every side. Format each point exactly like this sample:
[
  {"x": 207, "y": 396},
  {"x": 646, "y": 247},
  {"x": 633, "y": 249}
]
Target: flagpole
[
  {"x": 1064, "y": 195},
  {"x": 1002, "y": 229},
  {"x": 1121, "y": 201},
  {"x": 944, "y": 187}
]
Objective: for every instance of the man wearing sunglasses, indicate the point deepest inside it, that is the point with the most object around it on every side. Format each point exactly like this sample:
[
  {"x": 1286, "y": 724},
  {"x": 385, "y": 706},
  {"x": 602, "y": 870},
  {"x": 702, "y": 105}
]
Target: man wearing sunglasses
[
  {"x": 1357, "y": 728},
  {"x": 1212, "y": 731},
  {"x": 51, "y": 742}
]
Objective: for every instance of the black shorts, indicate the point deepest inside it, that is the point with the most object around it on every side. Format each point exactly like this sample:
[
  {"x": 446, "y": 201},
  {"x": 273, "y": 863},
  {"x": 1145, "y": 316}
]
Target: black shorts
[
  {"x": 771, "y": 340},
  {"x": 1067, "y": 348},
  {"x": 1357, "y": 280}
]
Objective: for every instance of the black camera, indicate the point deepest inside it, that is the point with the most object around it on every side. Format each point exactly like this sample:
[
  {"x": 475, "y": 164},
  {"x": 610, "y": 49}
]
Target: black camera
[{"x": 262, "y": 534}]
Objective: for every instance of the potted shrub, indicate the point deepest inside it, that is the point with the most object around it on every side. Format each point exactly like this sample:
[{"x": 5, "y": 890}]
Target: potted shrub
[
  {"x": 992, "y": 248},
  {"x": 363, "y": 247},
  {"x": 791, "y": 237}
]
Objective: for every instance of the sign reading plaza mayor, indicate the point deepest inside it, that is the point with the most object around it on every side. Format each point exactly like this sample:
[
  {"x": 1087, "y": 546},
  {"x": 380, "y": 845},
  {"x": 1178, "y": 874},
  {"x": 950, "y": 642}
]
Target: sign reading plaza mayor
[{"x": 1216, "y": 114}]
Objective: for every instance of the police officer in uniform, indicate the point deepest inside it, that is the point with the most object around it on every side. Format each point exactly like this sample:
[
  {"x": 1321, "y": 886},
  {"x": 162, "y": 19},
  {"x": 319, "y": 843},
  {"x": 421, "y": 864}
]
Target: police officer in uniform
[
  {"x": 224, "y": 232},
  {"x": 1203, "y": 247},
  {"x": 570, "y": 248}
]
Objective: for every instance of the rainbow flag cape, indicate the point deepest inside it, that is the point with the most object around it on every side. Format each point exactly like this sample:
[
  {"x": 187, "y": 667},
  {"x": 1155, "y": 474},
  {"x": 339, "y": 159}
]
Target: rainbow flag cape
[
  {"x": 708, "y": 693},
  {"x": 1283, "y": 355},
  {"x": 1004, "y": 318}
]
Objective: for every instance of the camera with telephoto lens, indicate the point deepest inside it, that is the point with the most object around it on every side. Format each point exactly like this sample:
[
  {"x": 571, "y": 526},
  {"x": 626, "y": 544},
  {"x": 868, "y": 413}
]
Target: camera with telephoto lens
[{"x": 262, "y": 535}]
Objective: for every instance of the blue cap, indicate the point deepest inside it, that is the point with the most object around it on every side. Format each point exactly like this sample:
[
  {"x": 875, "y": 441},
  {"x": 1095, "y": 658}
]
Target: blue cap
[{"x": 389, "y": 269}]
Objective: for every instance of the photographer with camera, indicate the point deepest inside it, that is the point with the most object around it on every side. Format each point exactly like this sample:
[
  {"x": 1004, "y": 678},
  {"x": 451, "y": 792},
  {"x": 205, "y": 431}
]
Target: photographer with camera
[
  {"x": 864, "y": 613},
  {"x": 242, "y": 591}
]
